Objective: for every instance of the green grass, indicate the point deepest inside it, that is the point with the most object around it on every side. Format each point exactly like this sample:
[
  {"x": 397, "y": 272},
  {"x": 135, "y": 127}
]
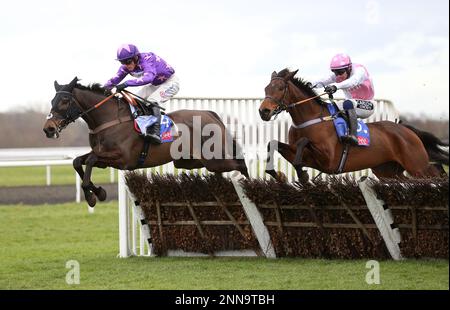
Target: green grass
[
  {"x": 37, "y": 241},
  {"x": 28, "y": 176}
]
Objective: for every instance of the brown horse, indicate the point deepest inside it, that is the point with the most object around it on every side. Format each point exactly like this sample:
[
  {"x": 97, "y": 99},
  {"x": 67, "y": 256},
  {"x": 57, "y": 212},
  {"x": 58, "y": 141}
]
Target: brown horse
[
  {"x": 115, "y": 142},
  {"x": 393, "y": 149}
]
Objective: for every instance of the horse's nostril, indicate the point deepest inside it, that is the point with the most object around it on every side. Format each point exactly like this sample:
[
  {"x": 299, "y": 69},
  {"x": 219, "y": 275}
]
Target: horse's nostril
[
  {"x": 264, "y": 113},
  {"x": 49, "y": 131}
]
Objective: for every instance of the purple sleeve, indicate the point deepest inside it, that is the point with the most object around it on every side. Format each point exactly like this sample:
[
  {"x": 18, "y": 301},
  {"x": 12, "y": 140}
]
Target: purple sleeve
[
  {"x": 146, "y": 78},
  {"x": 120, "y": 75}
]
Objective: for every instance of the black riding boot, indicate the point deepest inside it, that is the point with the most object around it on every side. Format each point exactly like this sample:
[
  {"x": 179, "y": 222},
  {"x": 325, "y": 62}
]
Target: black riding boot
[
  {"x": 353, "y": 125},
  {"x": 153, "y": 132}
]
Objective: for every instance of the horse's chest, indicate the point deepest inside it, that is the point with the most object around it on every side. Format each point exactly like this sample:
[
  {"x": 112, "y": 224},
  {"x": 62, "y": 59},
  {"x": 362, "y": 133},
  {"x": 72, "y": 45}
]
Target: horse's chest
[{"x": 99, "y": 144}]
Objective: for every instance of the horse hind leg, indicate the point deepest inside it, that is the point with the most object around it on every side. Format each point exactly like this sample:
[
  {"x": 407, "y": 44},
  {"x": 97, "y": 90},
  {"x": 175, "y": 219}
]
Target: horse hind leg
[
  {"x": 232, "y": 158},
  {"x": 436, "y": 170},
  {"x": 289, "y": 153},
  {"x": 238, "y": 155},
  {"x": 389, "y": 170},
  {"x": 226, "y": 165}
]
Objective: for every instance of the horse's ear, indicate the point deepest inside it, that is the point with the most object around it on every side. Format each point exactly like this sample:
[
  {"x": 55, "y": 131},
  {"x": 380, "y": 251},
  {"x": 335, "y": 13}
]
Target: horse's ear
[
  {"x": 57, "y": 86},
  {"x": 274, "y": 74},
  {"x": 73, "y": 83},
  {"x": 290, "y": 75}
]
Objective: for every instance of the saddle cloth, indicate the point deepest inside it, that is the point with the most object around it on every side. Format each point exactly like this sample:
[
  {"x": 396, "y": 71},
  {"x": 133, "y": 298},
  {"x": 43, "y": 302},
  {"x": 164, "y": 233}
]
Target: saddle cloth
[
  {"x": 141, "y": 123},
  {"x": 342, "y": 129}
]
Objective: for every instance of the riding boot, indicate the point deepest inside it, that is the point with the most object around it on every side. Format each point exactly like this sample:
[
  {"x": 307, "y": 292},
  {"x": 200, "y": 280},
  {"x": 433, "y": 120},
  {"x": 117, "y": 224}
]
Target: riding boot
[
  {"x": 353, "y": 125},
  {"x": 153, "y": 132}
]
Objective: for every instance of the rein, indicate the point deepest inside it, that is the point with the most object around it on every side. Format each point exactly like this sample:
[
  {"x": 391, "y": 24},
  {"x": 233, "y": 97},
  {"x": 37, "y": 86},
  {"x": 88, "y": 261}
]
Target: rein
[
  {"x": 282, "y": 106},
  {"x": 305, "y": 100},
  {"x": 69, "y": 118},
  {"x": 96, "y": 106}
]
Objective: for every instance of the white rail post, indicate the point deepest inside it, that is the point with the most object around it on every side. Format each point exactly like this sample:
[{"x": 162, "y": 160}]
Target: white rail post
[
  {"x": 49, "y": 175},
  {"x": 382, "y": 218},
  {"x": 78, "y": 188},
  {"x": 256, "y": 221},
  {"x": 111, "y": 174},
  {"x": 124, "y": 246}
]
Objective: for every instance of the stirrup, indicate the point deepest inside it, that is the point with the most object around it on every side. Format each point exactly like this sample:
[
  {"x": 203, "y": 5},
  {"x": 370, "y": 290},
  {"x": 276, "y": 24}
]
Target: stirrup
[
  {"x": 351, "y": 140},
  {"x": 153, "y": 138}
]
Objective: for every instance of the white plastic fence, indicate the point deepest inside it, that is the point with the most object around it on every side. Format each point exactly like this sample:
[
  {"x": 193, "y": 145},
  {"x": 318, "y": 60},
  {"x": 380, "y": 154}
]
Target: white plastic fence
[
  {"x": 48, "y": 157},
  {"x": 241, "y": 117}
]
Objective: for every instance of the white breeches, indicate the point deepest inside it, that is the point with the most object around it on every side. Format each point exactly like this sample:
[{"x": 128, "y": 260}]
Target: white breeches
[
  {"x": 160, "y": 93},
  {"x": 363, "y": 108}
]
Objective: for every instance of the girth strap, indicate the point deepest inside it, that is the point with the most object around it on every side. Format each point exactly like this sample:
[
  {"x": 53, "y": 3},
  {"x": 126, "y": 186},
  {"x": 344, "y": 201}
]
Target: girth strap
[
  {"x": 110, "y": 124},
  {"x": 343, "y": 160},
  {"x": 143, "y": 154},
  {"x": 313, "y": 122}
]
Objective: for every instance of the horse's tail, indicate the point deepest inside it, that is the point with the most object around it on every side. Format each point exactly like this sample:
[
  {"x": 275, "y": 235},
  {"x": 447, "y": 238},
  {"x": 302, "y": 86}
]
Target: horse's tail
[{"x": 433, "y": 145}]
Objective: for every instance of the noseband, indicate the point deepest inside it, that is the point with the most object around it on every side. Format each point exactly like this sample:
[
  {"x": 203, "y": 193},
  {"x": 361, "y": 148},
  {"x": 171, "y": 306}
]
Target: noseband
[
  {"x": 281, "y": 105},
  {"x": 73, "y": 112}
]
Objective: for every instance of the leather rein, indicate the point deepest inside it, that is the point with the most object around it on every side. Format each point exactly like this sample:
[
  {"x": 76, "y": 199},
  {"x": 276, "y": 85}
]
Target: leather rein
[
  {"x": 282, "y": 106},
  {"x": 75, "y": 111}
]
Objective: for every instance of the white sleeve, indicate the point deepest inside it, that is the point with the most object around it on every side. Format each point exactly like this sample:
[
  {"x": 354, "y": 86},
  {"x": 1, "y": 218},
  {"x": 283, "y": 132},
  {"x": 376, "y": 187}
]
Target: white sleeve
[
  {"x": 358, "y": 76},
  {"x": 324, "y": 81}
]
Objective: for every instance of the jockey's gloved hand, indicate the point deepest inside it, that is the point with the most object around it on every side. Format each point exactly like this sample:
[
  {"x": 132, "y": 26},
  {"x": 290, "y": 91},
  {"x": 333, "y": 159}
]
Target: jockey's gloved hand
[
  {"x": 107, "y": 91},
  {"x": 120, "y": 87},
  {"x": 309, "y": 84},
  {"x": 330, "y": 89}
]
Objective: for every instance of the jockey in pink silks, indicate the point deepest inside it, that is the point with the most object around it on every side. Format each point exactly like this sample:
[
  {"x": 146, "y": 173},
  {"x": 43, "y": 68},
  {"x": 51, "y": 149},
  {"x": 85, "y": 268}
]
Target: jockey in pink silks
[{"x": 354, "y": 80}]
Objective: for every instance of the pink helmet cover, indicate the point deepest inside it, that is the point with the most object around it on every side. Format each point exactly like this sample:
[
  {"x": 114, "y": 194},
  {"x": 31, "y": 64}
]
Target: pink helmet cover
[{"x": 340, "y": 61}]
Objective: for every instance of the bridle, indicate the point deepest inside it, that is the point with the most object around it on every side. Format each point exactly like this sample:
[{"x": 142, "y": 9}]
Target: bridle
[
  {"x": 281, "y": 104},
  {"x": 73, "y": 112}
]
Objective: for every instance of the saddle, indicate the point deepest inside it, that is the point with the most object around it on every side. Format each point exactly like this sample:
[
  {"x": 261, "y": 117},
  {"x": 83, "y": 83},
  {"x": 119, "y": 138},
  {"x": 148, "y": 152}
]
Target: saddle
[
  {"x": 340, "y": 121},
  {"x": 141, "y": 109},
  {"x": 143, "y": 118}
]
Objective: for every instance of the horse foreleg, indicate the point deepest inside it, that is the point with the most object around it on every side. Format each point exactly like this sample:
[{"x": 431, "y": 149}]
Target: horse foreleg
[
  {"x": 86, "y": 185},
  {"x": 78, "y": 163},
  {"x": 302, "y": 175}
]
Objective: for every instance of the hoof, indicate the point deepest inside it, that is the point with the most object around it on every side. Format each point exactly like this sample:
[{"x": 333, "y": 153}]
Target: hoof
[
  {"x": 281, "y": 177},
  {"x": 101, "y": 194},
  {"x": 303, "y": 177},
  {"x": 272, "y": 173},
  {"x": 91, "y": 200}
]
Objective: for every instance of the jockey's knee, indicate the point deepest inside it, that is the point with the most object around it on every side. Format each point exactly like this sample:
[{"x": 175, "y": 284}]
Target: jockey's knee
[
  {"x": 348, "y": 104},
  {"x": 364, "y": 108}
]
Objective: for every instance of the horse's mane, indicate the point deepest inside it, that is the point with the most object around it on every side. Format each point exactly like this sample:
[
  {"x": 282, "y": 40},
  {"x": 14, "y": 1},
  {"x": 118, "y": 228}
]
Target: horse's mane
[
  {"x": 300, "y": 83},
  {"x": 94, "y": 87}
]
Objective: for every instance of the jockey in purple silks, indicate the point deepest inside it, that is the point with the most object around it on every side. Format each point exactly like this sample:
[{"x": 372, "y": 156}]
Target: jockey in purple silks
[
  {"x": 354, "y": 80},
  {"x": 157, "y": 78}
]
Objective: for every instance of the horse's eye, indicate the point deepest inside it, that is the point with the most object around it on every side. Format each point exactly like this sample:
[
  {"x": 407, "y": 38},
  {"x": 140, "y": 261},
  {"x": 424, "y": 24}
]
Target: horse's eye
[{"x": 50, "y": 115}]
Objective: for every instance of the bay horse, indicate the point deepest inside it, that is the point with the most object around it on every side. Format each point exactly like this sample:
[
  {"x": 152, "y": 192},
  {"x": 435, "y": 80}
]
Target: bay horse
[
  {"x": 115, "y": 142},
  {"x": 393, "y": 148}
]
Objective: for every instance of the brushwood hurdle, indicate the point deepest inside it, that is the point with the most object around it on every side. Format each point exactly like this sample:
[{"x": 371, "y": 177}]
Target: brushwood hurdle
[
  {"x": 241, "y": 118},
  {"x": 209, "y": 215}
]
